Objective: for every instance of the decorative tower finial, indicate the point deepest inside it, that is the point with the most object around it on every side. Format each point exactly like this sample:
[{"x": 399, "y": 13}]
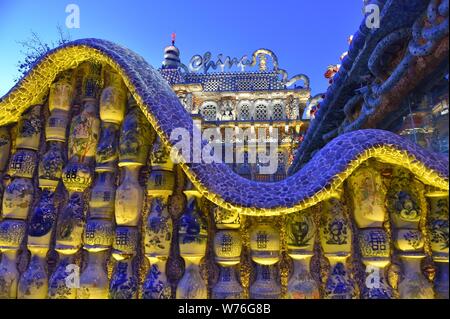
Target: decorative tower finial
[{"x": 171, "y": 55}]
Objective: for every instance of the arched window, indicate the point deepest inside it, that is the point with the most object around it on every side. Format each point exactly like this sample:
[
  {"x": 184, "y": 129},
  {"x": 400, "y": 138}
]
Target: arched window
[
  {"x": 244, "y": 112},
  {"x": 261, "y": 113},
  {"x": 209, "y": 112},
  {"x": 278, "y": 112}
]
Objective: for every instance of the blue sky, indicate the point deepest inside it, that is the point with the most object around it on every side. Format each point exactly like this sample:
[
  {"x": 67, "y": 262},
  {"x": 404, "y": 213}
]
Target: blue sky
[{"x": 306, "y": 35}]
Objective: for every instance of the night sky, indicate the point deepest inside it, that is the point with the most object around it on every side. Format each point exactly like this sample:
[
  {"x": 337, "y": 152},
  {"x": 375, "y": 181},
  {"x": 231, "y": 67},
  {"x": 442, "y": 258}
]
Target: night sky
[{"x": 306, "y": 35}]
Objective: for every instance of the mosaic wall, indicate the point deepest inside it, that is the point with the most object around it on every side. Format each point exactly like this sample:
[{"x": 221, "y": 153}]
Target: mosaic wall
[{"x": 88, "y": 187}]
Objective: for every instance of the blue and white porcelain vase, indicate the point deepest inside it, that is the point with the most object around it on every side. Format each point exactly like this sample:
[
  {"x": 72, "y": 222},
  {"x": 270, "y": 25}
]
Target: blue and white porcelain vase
[
  {"x": 129, "y": 198},
  {"x": 29, "y": 129},
  {"x": 107, "y": 148},
  {"x": 18, "y": 198},
  {"x": 51, "y": 166},
  {"x": 64, "y": 282},
  {"x": 193, "y": 240},
  {"x": 103, "y": 196},
  {"x": 94, "y": 282},
  {"x": 158, "y": 237},
  {"x": 23, "y": 163},
  {"x": 33, "y": 283},
  {"x": 5, "y": 146},
  {"x": 266, "y": 285}
]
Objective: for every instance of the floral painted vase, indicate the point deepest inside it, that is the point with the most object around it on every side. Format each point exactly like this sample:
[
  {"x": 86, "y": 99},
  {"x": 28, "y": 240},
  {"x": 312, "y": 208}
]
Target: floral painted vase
[
  {"x": 438, "y": 230},
  {"x": 192, "y": 240},
  {"x": 265, "y": 285},
  {"x": 61, "y": 92},
  {"x": 23, "y": 163},
  {"x": 94, "y": 282},
  {"x": 339, "y": 284},
  {"x": 408, "y": 240},
  {"x": 5, "y": 146},
  {"x": 368, "y": 194},
  {"x": 33, "y": 283},
  {"x": 335, "y": 232},
  {"x": 63, "y": 283},
  {"x": 134, "y": 139},
  {"x": 12, "y": 233},
  {"x": 158, "y": 230},
  {"x": 17, "y": 198},
  {"x": 84, "y": 133},
  {"x": 51, "y": 166},
  {"x": 107, "y": 149},
  {"x": 56, "y": 126},
  {"x": 123, "y": 283},
  {"x": 29, "y": 129},
  {"x": 103, "y": 196},
  {"x": 9, "y": 275},
  {"x": 113, "y": 100},
  {"x": 405, "y": 210},
  {"x": 438, "y": 226},
  {"x": 42, "y": 221},
  {"x": 129, "y": 198},
  {"x": 69, "y": 229},
  {"x": 156, "y": 285},
  {"x": 160, "y": 157},
  {"x": 193, "y": 233}
]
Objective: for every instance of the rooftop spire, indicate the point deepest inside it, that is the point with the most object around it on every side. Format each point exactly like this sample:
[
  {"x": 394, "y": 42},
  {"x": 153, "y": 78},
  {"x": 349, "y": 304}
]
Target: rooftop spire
[{"x": 171, "y": 55}]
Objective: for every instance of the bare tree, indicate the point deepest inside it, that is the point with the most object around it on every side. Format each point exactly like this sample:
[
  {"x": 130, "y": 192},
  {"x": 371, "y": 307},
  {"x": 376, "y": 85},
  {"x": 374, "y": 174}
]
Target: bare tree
[{"x": 34, "y": 48}]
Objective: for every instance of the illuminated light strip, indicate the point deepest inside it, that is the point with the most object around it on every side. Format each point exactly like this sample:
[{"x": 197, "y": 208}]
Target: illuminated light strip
[{"x": 33, "y": 88}]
